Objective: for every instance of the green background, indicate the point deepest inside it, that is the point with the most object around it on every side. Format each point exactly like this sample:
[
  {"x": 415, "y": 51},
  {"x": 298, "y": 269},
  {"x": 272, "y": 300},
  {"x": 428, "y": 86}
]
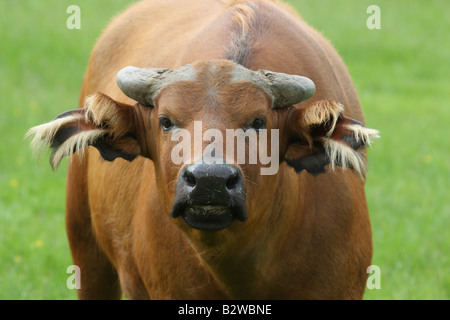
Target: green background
[{"x": 401, "y": 72}]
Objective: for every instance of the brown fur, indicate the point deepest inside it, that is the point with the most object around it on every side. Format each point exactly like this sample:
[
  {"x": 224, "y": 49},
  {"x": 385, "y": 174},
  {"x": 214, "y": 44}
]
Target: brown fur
[{"x": 305, "y": 238}]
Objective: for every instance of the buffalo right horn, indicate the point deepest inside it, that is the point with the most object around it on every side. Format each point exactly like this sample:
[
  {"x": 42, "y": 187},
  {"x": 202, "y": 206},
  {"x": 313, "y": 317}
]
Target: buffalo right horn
[
  {"x": 285, "y": 89},
  {"x": 288, "y": 89}
]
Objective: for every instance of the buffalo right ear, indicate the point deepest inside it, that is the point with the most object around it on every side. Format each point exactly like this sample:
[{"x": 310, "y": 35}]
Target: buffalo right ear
[
  {"x": 321, "y": 135},
  {"x": 103, "y": 123}
]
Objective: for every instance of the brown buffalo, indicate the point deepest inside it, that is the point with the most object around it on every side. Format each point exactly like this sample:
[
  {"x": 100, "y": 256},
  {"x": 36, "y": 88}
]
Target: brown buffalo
[{"x": 143, "y": 224}]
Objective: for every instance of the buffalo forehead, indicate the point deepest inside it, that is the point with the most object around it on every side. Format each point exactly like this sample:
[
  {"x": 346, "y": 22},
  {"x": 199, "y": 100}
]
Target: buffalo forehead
[
  {"x": 237, "y": 100},
  {"x": 215, "y": 86}
]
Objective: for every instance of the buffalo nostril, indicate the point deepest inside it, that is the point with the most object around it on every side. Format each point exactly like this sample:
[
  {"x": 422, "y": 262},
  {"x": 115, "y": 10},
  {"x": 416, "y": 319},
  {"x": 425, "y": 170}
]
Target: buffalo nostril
[
  {"x": 189, "y": 178},
  {"x": 232, "y": 181}
]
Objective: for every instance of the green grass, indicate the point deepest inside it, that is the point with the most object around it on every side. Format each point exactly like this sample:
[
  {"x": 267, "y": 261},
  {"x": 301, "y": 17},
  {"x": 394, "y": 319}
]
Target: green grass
[{"x": 402, "y": 75}]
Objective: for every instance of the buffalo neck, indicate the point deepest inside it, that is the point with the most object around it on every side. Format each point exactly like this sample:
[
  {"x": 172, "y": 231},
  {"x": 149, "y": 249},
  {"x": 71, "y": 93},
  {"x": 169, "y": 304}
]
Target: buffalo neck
[{"x": 247, "y": 257}]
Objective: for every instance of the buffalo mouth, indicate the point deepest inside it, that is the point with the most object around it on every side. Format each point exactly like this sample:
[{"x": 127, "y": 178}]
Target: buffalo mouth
[
  {"x": 209, "y": 217},
  {"x": 210, "y": 197}
]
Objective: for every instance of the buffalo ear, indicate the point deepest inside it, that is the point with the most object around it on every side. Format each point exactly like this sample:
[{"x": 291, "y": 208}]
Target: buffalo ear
[
  {"x": 321, "y": 135},
  {"x": 103, "y": 123}
]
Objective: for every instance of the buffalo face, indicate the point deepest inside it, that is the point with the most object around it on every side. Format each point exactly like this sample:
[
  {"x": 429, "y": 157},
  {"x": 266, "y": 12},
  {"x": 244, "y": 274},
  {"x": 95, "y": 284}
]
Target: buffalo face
[{"x": 184, "y": 120}]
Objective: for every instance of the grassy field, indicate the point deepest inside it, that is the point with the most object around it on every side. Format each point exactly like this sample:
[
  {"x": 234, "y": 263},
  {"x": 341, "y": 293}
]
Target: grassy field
[{"x": 401, "y": 72}]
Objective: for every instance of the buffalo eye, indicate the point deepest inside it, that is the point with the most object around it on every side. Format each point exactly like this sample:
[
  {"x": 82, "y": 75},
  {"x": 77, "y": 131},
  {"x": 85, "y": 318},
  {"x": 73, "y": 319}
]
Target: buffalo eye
[
  {"x": 257, "y": 124},
  {"x": 166, "y": 123}
]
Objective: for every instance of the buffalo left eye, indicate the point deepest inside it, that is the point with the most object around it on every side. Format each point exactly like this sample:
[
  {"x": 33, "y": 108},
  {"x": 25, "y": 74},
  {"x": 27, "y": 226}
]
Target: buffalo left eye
[
  {"x": 166, "y": 123},
  {"x": 258, "y": 124}
]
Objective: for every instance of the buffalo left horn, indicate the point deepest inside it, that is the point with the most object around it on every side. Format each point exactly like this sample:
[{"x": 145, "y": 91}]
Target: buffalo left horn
[{"x": 144, "y": 84}]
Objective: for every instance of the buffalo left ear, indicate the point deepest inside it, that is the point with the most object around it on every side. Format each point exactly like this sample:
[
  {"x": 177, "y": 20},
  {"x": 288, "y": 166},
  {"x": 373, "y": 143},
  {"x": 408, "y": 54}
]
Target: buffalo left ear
[
  {"x": 321, "y": 135},
  {"x": 103, "y": 123}
]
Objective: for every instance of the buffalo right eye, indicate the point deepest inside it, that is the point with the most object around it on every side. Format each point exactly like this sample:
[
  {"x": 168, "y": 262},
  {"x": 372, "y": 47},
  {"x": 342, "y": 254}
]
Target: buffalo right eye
[
  {"x": 166, "y": 123},
  {"x": 258, "y": 124}
]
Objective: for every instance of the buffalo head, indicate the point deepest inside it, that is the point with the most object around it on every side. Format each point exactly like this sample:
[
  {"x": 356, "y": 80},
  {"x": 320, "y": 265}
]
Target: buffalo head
[{"x": 212, "y": 128}]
